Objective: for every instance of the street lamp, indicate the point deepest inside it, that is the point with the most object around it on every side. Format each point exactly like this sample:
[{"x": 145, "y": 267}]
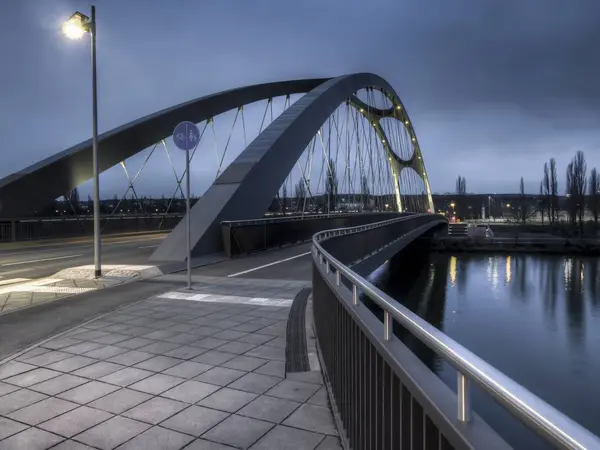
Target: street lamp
[{"x": 74, "y": 28}]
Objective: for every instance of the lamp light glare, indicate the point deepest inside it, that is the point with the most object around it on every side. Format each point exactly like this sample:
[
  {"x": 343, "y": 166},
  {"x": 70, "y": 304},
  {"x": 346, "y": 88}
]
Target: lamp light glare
[{"x": 76, "y": 26}]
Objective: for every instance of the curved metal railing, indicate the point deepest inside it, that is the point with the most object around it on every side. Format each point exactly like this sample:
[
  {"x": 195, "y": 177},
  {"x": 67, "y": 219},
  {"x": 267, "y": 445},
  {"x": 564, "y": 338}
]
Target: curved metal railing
[{"x": 554, "y": 426}]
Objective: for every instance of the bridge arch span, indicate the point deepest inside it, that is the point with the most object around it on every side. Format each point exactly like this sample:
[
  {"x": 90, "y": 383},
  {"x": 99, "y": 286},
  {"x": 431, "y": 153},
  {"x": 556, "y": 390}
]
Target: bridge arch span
[
  {"x": 37, "y": 186},
  {"x": 246, "y": 187}
]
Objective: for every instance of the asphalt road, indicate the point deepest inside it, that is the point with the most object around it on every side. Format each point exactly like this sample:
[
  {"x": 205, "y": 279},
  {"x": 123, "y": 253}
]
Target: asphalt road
[
  {"x": 32, "y": 260},
  {"x": 20, "y": 329},
  {"x": 290, "y": 263}
]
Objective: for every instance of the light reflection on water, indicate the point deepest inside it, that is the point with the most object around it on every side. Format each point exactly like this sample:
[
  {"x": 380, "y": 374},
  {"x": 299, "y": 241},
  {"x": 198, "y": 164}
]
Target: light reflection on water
[{"x": 534, "y": 317}]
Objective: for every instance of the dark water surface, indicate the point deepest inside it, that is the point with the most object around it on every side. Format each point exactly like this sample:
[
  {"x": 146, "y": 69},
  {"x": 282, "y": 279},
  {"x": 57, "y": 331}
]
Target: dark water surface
[{"x": 534, "y": 317}]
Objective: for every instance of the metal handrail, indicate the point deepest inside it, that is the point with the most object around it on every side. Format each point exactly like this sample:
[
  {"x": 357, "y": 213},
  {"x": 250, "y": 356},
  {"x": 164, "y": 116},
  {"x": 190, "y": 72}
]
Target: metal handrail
[
  {"x": 70, "y": 218},
  {"x": 298, "y": 217},
  {"x": 551, "y": 424}
]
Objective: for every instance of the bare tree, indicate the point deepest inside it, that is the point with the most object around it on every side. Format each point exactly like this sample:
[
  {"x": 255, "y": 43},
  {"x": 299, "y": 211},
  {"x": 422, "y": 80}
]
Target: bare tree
[
  {"x": 331, "y": 186},
  {"x": 461, "y": 185},
  {"x": 594, "y": 193},
  {"x": 576, "y": 186},
  {"x": 461, "y": 190},
  {"x": 581, "y": 185},
  {"x": 74, "y": 201},
  {"x": 545, "y": 193},
  {"x": 570, "y": 192},
  {"x": 365, "y": 191},
  {"x": 284, "y": 199},
  {"x": 541, "y": 202},
  {"x": 553, "y": 190},
  {"x": 300, "y": 194},
  {"x": 523, "y": 205}
]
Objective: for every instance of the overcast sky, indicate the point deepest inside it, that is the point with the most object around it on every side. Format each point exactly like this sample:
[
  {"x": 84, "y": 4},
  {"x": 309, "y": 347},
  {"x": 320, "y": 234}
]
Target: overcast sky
[{"x": 493, "y": 88}]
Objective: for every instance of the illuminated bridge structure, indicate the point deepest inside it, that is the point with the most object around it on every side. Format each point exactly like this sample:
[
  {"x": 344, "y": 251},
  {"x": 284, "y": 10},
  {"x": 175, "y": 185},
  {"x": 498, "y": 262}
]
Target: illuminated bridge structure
[{"x": 339, "y": 160}]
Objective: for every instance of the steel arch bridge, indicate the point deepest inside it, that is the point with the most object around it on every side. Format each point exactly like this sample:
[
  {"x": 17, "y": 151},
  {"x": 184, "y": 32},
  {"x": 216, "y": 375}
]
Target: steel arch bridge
[{"x": 246, "y": 187}]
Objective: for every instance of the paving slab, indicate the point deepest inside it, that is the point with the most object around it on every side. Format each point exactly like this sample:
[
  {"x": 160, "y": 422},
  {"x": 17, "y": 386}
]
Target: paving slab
[{"x": 203, "y": 369}]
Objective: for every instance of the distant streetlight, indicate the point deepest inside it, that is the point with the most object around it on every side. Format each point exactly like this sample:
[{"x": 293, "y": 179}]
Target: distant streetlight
[
  {"x": 452, "y": 205},
  {"x": 78, "y": 25}
]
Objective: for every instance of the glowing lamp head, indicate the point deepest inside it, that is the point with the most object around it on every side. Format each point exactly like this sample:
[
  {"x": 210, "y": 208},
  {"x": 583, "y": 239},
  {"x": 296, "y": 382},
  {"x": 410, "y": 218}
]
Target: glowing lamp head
[{"x": 76, "y": 26}]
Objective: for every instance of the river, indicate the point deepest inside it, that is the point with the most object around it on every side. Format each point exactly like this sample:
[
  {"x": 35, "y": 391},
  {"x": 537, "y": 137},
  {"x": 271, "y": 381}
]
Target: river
[{"x": 534, "y": 317}]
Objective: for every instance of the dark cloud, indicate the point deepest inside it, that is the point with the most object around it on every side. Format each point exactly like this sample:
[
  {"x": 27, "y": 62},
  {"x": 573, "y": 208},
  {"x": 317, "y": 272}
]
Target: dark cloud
[{"x": 493, "y": 88}]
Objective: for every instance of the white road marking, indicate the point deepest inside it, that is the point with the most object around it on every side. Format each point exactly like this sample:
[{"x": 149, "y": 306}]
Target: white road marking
[
  {"x": 40, "y": 260},
  {"x": 268, "y": 265},
  {"x": 210, "y": 298},
  {"x": 13, "y": 280},
  {"x": 149, "y": 246}
]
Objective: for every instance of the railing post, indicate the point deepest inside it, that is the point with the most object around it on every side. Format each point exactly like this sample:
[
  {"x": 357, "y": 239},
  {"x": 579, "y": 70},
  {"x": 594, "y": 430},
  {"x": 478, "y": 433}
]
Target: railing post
[
  {"x": 13, "y": 230},
  {"x": 354, "y": 295},
  {"x": 387, "y": 325},
  {"x": 464, "y": 400},
  {"x": 337, "y": 277},
  {"x": 326, "y": 266}
]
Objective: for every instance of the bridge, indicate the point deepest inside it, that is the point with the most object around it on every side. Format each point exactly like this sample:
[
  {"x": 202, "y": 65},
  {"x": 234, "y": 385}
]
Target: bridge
[{"x": 360, "y": 199}]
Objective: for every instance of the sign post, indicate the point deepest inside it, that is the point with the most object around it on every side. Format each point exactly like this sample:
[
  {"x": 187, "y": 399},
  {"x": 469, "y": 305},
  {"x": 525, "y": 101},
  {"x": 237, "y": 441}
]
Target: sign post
[{"x": 186, "y": 137}]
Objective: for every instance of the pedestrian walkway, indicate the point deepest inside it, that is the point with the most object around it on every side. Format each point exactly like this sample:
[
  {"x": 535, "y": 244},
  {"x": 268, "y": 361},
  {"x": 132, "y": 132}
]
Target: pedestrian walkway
[
  {"x": 18, "y": 293},
  {"x": 197, "y": 370}
]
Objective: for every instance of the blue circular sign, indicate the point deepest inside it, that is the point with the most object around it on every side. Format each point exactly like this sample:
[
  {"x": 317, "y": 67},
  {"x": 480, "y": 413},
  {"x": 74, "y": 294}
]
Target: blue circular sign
[{"x": 186, "y": 136}]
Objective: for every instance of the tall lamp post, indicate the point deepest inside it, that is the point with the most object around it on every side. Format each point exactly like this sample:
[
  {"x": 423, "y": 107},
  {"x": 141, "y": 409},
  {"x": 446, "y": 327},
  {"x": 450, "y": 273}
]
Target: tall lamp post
[{"x": 74, "y": 28}]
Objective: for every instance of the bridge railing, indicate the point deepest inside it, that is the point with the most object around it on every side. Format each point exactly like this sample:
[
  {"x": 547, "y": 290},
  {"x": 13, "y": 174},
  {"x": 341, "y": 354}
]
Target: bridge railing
[
  {"x": 27, "y": 229},
  {"x": 385, "y": 397},
  {"x": 246, "y": 236}
]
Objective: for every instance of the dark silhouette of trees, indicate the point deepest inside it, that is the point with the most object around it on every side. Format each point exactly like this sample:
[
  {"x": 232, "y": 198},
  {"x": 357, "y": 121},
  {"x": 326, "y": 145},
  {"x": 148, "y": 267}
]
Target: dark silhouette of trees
[
  {"x": 542, "y": 202},
  {"x": 594, "y": 194},
  {"x": 576, "y": 187},
  {"x": 523, "y": 205},
  {"x": 549, "y": 192},
  {"x": 300, "y": 194},
  {"x": 545, "y": 191},
  {"x": 553, "y": 191},
  {"x": 365, "y": 192},
  {"x": 74, "y": 201},
  {"x": 461, "y": 185},
  {"x": 461, "y": 190},
  {"x": 331, "y": 186},
  {"x": 284, "y": 199}
]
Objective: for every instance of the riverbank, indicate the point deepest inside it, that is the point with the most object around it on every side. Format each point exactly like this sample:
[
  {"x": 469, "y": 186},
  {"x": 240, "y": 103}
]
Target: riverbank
[{"x": 554, "y": 245}]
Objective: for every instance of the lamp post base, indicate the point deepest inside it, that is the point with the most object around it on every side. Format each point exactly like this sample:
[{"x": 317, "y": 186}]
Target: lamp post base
[{"x": 97, "y": 273}]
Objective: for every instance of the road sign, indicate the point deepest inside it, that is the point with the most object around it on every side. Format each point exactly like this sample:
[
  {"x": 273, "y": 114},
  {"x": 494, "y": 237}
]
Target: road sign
[{"x": 186, "y": 135}]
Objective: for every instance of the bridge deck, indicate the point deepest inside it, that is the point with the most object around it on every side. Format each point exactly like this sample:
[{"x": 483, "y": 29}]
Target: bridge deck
[{"x": 178, "y": 367}]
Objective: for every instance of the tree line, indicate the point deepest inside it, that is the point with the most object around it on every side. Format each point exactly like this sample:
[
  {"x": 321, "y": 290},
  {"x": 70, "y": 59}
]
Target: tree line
[
  {"x": 582, "y": 191},
  {"x": 581, "y": 194}
]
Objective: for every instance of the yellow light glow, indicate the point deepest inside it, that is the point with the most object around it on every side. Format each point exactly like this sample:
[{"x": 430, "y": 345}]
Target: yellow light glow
[
  {"x": 75, "y": 27},
  {"x": 406, "y": 122},
  {"x": 72, "y": 30},
  {"x": 398, "y": 107},
  {"x": 508, "y": 205},
  {"x": 452, "y": 204},
  {"x": 452, "y": 270}
]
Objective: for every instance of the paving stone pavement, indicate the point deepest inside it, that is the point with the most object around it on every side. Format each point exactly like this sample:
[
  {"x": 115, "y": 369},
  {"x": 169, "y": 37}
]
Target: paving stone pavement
[
  {"x": 195, "y": 370},
  {"x": 33, "y": 292}
]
